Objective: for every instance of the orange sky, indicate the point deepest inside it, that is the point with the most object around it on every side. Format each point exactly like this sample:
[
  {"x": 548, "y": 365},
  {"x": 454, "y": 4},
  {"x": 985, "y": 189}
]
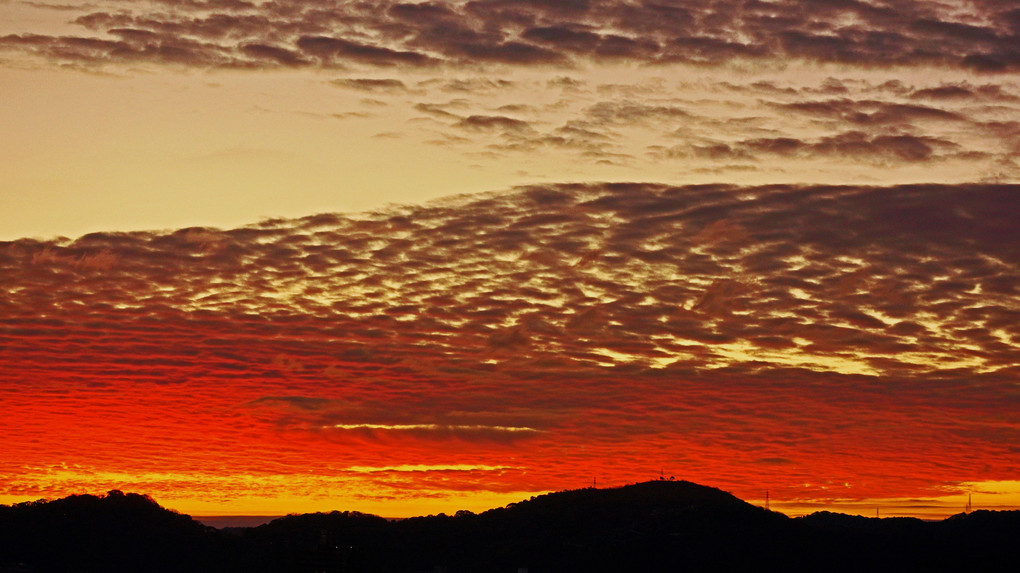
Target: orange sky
[{"x": 270, "y": 257}]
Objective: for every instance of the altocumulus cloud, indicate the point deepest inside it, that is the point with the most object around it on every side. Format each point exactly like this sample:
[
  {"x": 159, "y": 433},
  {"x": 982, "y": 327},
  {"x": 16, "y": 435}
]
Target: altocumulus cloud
[
  {"x": 981, "y": 36},
  {"x": 529, "y": 78},
  {"x": 569, "y": 327}
]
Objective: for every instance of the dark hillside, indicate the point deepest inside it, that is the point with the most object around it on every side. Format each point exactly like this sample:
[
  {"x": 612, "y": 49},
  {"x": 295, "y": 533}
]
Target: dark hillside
[
  {"x": 661, "y": 525},
  {"x": 980, "y": 541},
  {"x": 115, "y": 532},
  {"x": 654, "y": 526}
]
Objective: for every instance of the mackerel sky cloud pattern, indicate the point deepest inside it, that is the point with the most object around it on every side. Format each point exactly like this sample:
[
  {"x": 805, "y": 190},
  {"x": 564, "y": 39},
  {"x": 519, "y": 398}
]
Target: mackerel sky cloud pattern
[
  {"x": 833, "y": 342},
  {"x": 977, "y": 35}
]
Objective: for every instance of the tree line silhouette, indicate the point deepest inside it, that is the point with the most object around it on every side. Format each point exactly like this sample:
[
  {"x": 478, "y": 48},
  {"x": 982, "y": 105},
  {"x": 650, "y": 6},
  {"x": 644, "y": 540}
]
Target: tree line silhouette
[{"x": 654, "y": 526}]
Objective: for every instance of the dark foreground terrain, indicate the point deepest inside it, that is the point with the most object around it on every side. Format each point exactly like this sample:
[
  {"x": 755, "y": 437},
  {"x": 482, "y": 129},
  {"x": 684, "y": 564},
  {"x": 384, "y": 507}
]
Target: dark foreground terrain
[{"x": 653, "y": 526}]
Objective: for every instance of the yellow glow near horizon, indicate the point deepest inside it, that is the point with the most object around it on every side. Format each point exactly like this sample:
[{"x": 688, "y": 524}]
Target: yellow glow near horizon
[
  {"x": 330, "y": 495},
  {"x": 988, "y": 495},
  {"x": 352, "y": 489}
]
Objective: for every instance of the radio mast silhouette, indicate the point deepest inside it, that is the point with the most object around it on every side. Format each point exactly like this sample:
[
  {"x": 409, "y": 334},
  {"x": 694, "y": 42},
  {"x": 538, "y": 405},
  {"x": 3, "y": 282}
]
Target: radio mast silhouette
[{"x": 969, "y": 507}]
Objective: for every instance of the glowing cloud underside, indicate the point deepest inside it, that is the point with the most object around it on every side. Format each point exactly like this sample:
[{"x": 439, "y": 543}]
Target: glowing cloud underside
[{"x": 819, "y": 342}]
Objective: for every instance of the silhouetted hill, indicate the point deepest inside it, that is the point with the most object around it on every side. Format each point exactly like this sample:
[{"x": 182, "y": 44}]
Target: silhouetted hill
[
  {"x": 653, "y": 526},
  {"x": 980, "y": 541},
  {"x": 643, "y": 527},
  {"x": 115, "y": 532}
]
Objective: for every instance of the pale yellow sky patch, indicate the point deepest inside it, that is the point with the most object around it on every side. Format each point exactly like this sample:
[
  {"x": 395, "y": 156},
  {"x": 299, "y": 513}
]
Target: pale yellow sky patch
[{"x": 135, "y": 149}]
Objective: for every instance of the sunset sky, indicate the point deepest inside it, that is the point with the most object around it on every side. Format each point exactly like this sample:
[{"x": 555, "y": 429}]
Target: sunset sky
[{"x": 259, "y": 258}]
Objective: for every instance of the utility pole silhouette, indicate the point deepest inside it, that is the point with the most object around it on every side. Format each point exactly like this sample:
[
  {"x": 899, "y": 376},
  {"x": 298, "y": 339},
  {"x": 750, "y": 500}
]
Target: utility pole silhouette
[
  {"x": 969, "y": 507},
  {"x": 767, "y": 501}
]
